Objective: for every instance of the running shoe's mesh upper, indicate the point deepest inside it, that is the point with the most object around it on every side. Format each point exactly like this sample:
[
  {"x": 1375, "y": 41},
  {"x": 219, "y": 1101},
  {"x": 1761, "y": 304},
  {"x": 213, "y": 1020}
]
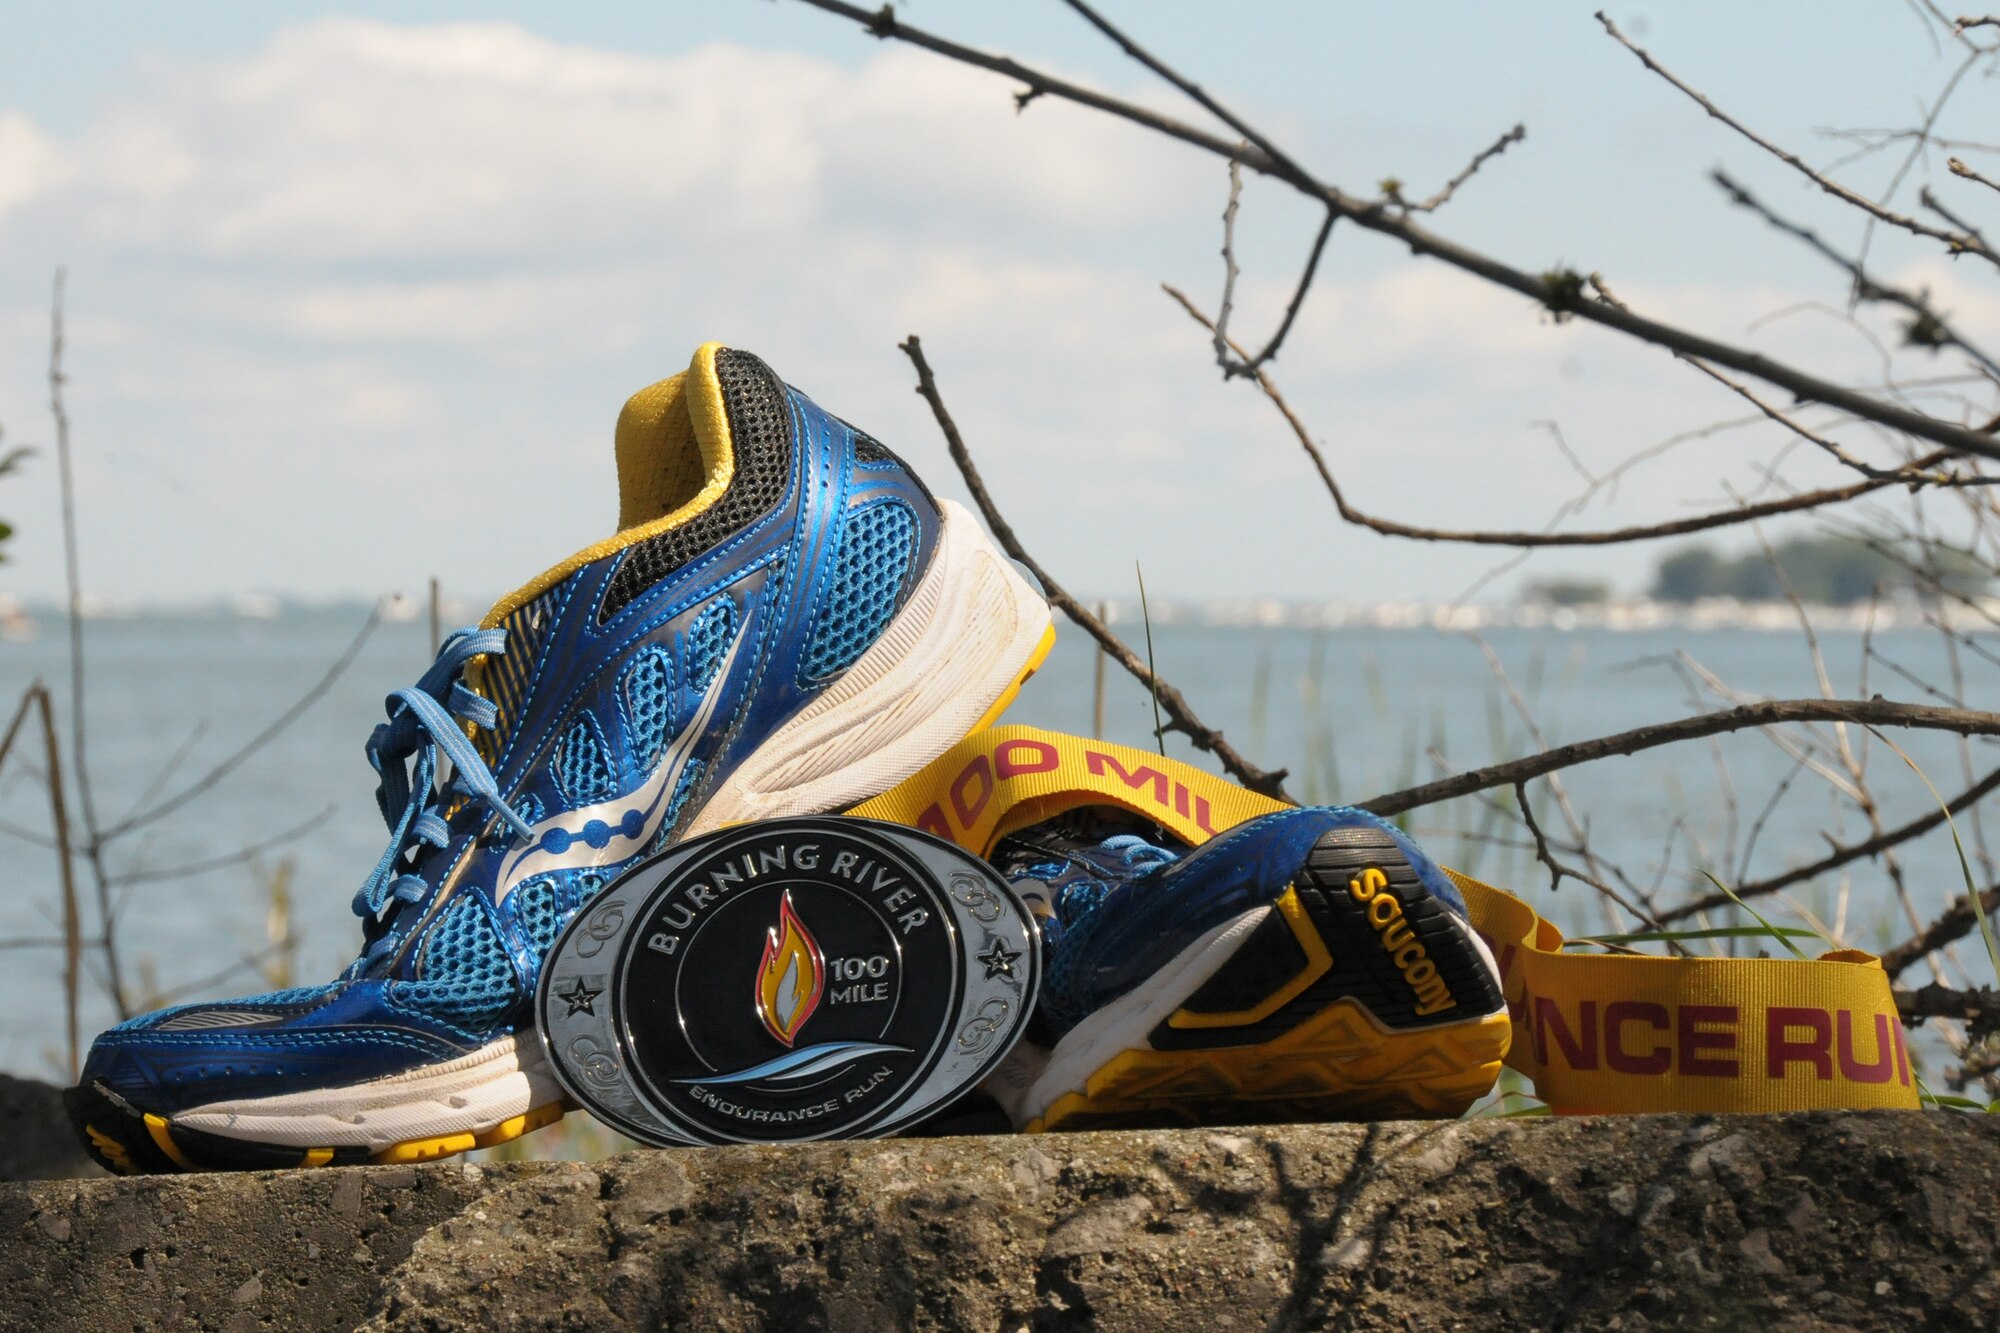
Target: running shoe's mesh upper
[
  {"x": 871, "y": 452},
  {"x": 583, "y": 768},
  {"x": 536, "y": 904},
  {"x": 649, "y": 703},
  {"x": 707, "y": 638},
  {"x": 296, "y": 997},
  {"x": 760, "y": 436},
  {"x": 468, "y": 977},
  {"x": 543, "y": 905},
  {"x": 876, "y": 544}
]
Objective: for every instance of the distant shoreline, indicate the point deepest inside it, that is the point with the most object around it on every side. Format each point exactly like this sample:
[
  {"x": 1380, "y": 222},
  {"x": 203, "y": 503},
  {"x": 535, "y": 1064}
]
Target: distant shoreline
[{"x": 21, "y": 619}]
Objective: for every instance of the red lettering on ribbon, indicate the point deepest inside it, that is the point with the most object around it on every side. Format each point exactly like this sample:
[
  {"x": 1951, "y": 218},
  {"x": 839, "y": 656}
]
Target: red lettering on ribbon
[
  {"x": 1101, "y": 765},
  {"x": 1780, "y": 1050},
  {"x": 1850, "y": 1065},
  {"x": 1693, "y": 1041},
  {"x": 1041, "y": 758},
  {"x": 1616, "y": 1015},
  {"x": 1549, "y": 1020},
  {"x": 966, "y": 808}
]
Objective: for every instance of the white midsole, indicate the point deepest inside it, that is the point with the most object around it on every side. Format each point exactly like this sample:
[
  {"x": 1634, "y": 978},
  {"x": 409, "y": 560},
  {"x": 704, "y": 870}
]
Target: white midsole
[
  {"x": 1030, "y": 1079},
  {"x": 960, "y": 642},
  {"x": 469, "y": 1095}
]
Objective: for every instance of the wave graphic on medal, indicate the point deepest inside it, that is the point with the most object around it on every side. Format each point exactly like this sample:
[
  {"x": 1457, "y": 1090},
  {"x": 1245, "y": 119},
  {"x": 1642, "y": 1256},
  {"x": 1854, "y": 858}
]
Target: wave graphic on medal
[{"x": 798, "y": 979}]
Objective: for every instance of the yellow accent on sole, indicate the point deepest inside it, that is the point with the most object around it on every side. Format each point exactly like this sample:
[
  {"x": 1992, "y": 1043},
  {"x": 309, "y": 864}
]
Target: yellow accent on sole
[
  {"x": 115, "y": 1154},
  {"x": 1012, "y": 692},
  {"x": 446, "y": 1145},
  {"x": 526, "y": 1123},
  {"x": 316, "y": 1157},
  {"x": 164, "y": 1139},
  {"x": 424, "y": 1150},
  {"x": 1318, "y": 961},
  {"x": 1341, "y": 1064}
]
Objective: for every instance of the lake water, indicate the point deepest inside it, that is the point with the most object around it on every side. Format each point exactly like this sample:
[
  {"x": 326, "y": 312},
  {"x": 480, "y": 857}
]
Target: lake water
[{"x": 1353, "y": 712}]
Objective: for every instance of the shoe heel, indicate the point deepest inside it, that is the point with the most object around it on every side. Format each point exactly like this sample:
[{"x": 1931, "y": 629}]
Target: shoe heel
[{"x": 954, "y": 657}]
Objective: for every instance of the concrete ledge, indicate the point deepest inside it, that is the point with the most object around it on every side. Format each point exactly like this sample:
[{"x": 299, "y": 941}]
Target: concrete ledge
[{"x": 1877, "y": 1220}]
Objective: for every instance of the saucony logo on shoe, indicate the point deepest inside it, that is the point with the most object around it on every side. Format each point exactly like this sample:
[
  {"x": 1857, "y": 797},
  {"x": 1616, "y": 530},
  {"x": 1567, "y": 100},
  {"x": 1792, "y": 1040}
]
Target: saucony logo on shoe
[{"x": 1385, "y": 913}]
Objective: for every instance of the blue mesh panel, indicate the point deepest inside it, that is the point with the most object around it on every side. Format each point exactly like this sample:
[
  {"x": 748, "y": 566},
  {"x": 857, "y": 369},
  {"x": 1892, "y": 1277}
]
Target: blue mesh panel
[
  {"x": 543, "y": 906},
  {"x": 684, "y": 787},
  {"x": 860, "y": 597},
  {"x": 707, "y": 639},
  {"x": 537, "y": 905},
  {"x": 296, "y": 997},
  {"x": 468, "y": 977},
  {"x": 582, "y": 767},
  {"x": 649, "y": 703}
]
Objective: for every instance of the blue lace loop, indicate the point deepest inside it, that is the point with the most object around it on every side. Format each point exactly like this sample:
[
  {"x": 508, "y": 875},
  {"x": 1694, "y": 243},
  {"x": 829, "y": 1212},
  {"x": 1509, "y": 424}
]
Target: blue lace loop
[{"x": 424, "y": 725}]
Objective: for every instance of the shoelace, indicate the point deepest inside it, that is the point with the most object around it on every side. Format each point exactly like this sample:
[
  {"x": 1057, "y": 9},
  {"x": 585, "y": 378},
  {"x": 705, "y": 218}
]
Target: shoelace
[
  {"x": 1080, "y": 897},
  {"x": 424, "y": 724}
]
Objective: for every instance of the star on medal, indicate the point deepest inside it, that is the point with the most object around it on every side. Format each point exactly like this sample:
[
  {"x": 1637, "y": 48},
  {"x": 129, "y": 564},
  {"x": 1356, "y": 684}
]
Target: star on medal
[
  {"x": 579, "y": 997},
  {"x": 999, "y": 959}
]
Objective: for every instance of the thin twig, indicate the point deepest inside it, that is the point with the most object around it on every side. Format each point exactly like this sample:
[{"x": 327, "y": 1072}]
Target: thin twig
[
  {"x": 1955, "y": 241},
  {"x": 1199, "y": 733},
  {"x": 1230, "y": 271},
  {"x": 1772, "y": 712},
  {"x": 1958, "y": 168},
  {"x": 1493, "y": 150},
  {"x": 191, "y": 868},
  {"x": 1932, "y": 330},
  {"x": 93, "y": 838},
  {"x": 72, "y": 918},
  {"x": 271, "y": 731}
]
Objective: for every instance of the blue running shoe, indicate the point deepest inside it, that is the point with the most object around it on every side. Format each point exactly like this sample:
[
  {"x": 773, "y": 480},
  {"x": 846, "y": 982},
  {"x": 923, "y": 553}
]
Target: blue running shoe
[
  {"x": 785, "y": 622},
  {"x": 1312, "y": 964}
]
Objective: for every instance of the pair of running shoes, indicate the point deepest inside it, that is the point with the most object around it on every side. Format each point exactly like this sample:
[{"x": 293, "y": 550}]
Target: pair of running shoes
[{"x": 787, "y": 622}]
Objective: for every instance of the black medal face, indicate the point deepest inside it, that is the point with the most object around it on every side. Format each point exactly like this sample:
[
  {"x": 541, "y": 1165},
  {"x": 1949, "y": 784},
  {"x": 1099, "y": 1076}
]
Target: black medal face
[{"x": 796, "y": 979}]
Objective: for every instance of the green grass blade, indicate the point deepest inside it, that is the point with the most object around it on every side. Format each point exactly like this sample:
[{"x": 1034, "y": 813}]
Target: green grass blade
[
  {"x": 1964, "y": 862},
  {"x": 1774, "y": 932},
  {"x": 1152, "y": 673}
]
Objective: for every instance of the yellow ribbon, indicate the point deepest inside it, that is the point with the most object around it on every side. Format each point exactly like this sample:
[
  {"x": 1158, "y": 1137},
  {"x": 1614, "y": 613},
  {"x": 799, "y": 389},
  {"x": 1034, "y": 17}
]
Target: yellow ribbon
[{"x": 1595, "y": 1032}]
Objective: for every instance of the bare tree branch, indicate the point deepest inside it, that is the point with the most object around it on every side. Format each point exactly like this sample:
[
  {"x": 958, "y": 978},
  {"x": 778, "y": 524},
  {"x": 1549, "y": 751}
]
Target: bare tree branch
[
  {"x": 1955, "y": 923},
  {"x": 207, "y": 781},
  {"x": 1881, "y": 712},
  {"x": 1382, "y": 216},
  {"x": 1203, "y": 736},
  {"x": 1839, "y": 857},
  {"x": 1955, "y": 241},
  {"x": 1914, "y": 475},
  {"x": 1978, "y": 1009},
  {"x": 1959, "y": 168},
  {"x": 1930, "y": 328}
]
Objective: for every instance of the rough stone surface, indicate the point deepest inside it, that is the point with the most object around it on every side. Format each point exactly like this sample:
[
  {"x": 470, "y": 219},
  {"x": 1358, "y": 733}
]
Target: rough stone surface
[
  {"x": 1863, "y": 1221},
  {"x": 36, "y": 1142}
]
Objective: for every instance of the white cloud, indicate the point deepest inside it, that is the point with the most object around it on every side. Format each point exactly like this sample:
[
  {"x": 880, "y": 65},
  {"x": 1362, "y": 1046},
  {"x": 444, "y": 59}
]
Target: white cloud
[
  {"x": 410, "y": 272},
  {"x": 29, "y": 163}
]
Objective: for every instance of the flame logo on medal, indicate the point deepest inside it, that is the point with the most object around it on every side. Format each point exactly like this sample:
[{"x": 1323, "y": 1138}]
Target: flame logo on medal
[{"x": 792, "y": 976}]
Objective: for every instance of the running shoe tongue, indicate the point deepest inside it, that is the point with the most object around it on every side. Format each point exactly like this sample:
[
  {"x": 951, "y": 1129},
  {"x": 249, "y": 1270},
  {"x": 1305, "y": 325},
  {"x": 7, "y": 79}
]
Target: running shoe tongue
[{"x": 673, "y": 444}]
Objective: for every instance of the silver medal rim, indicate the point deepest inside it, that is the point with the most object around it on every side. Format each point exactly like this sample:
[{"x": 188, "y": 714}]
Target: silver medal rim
[{"x": 587, "y": 1052}]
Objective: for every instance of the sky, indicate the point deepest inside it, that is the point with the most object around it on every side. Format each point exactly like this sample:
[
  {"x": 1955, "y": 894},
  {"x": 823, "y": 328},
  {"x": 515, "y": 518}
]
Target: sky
[{"x": 355, "y": 291}]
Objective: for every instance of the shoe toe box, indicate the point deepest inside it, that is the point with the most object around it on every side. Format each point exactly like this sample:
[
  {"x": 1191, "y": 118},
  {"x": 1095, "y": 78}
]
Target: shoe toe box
[{"x": 289, "y": 1041}]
